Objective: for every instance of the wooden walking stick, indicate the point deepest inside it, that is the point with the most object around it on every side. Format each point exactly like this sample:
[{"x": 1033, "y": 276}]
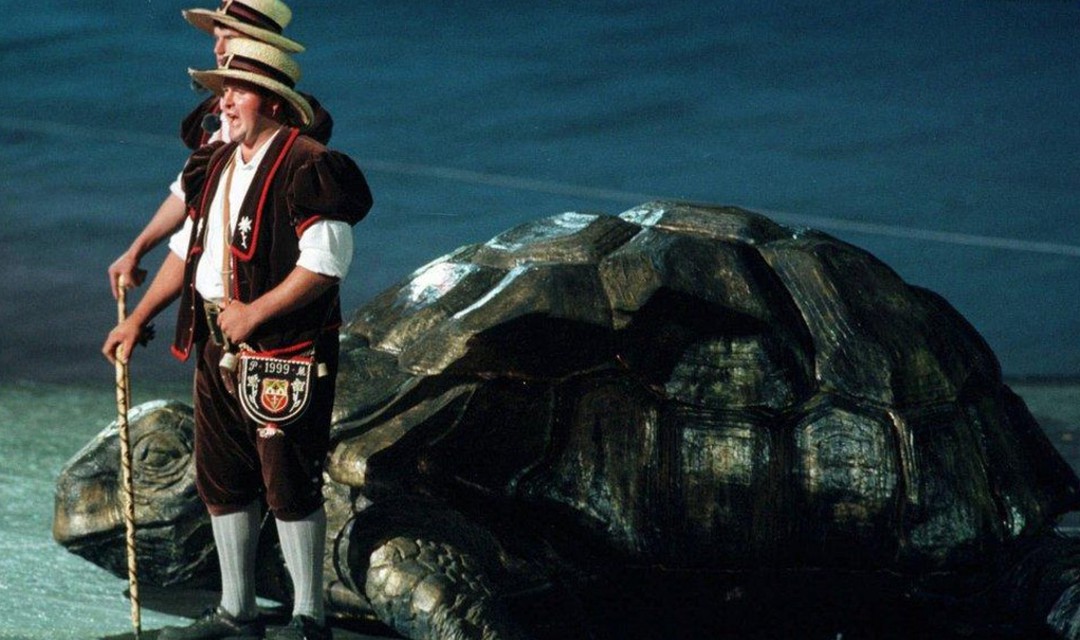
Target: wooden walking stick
[{"x": 123, "y": 401}]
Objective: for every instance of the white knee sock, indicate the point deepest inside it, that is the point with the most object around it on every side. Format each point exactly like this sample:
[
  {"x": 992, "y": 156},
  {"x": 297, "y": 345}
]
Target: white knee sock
[
  {"x": 303, "y": 543},
  {"x": 237, "y": 538}
]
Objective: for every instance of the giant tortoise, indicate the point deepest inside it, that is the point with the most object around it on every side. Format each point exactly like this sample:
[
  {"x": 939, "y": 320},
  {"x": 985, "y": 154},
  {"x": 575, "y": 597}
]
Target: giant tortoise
[{"x": 680, "y": 407}]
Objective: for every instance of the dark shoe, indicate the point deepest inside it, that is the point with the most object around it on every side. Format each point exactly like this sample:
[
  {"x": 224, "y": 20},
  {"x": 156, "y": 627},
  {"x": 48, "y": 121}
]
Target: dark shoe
[
  {"x": 215, "y": 624},
  {"x": 301, "y": 628}
]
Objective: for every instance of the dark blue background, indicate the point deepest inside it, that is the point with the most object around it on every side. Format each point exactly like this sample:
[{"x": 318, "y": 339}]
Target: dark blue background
[{"x": 941, "y": 136}]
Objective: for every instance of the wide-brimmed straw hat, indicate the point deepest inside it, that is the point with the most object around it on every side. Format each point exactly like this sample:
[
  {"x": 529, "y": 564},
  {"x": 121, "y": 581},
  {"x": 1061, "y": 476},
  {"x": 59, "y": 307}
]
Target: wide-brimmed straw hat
[
  {"x": 262, "y": 20},
  {"x": 260, "y": 64}
]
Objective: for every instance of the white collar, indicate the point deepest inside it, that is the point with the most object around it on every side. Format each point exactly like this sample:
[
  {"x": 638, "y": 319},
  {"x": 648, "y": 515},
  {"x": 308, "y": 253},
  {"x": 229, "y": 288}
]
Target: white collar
[{"x": 255, "y": 159}]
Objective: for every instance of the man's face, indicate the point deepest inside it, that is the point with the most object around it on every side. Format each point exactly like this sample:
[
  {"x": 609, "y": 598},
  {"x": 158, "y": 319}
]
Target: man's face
[
  {"x": 222, "y": 35},
  {"x": 241, "y": 107}
]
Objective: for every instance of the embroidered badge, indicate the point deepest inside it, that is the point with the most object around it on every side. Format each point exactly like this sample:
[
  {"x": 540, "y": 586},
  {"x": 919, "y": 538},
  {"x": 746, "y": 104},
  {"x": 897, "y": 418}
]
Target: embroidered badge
[
  {"x": 274, "y": 391},
  {"x": 275, "y": 394}
]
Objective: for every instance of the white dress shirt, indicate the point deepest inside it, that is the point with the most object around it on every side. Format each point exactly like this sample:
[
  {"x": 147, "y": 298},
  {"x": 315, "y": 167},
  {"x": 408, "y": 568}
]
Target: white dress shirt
[{"x": 326, "y": 247}]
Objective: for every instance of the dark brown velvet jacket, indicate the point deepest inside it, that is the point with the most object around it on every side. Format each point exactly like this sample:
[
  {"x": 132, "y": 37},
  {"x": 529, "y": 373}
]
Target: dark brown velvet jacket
[{"x": 298, "y": 183}]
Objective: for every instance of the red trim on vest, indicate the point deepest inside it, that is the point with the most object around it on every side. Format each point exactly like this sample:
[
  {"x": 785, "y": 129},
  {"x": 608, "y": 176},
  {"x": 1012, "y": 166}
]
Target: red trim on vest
[
  {"x": 302, "y": 227},
  {"x": 212, "y": 178},
  {"x": 240, "y": 255},
  {"x": 285, "y": 351},
  {"x": 195, "y": 248},
  {"x": 181, "y": 355},
  {"x": 235, "y": 281},
  {"x": 293, "y": 349}
]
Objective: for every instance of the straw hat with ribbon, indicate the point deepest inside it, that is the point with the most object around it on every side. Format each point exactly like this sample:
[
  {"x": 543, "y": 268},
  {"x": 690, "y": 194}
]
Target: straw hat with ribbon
[
  {"x": 262, "y": 65},
  {"x": 263, "y": 20}
]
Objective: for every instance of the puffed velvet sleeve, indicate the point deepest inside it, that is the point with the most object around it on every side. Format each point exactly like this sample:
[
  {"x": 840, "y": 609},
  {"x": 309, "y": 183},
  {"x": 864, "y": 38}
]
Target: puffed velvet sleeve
[
  {"x": 328, "y": 185},
  {"x": 193, "y": 178}
]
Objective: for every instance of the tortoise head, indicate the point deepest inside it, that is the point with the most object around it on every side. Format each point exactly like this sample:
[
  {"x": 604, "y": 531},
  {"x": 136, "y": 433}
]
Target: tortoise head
[{"x": 173, "y": 536}]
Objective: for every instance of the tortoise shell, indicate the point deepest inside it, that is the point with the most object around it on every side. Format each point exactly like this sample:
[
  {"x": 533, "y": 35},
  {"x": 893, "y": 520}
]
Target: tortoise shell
[{"x": 695, "y": 387}]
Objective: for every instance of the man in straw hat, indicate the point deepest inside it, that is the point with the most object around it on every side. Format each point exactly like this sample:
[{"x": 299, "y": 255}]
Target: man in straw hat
[
  {"x": 262, "y": 20},
  {"x": 272, "y": 287}
]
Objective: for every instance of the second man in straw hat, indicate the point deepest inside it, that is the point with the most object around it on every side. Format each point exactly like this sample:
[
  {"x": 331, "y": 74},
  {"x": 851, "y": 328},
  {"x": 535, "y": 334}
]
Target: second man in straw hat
[{"x": 262, "y": 20}]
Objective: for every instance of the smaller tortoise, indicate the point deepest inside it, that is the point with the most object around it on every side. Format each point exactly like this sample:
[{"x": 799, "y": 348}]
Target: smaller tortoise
[
  {"x": 173, "y": 528},
  {"x": 679, "y": 401},
  {"x": 174, "y": 539}
]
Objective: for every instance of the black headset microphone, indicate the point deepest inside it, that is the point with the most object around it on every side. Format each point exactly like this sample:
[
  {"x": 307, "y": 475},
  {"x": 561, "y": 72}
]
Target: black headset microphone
[{"x": 211, "y": 122}]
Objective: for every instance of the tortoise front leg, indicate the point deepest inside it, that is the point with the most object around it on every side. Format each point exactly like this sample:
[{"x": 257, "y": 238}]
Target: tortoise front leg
[{"x": 428, "y": 590}]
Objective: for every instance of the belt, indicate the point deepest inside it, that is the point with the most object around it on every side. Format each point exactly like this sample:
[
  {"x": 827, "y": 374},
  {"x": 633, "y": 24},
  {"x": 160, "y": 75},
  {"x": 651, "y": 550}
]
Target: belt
[{"x": 213, "y": 310}]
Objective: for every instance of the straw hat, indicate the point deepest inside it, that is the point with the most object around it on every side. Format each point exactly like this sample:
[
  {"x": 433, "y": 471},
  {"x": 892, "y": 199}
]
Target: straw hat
[
  {"x": 260, "y": 64},
  {"x": 259, "y": 19}
]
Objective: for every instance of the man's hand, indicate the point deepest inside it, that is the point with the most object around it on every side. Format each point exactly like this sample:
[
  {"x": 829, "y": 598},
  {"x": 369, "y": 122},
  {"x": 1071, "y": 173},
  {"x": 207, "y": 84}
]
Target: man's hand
[
  {"x": 238, "y": 320},
  {"x": 126, "y": 267},
  {"x": 136, "y": 327},
  {"x": 168, "y": 218},
  {"x": 121, "y": 341}
]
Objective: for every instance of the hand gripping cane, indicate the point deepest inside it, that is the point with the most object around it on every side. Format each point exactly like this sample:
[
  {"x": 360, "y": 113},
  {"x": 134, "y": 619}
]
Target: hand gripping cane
[{"x": 123, "y": 400}]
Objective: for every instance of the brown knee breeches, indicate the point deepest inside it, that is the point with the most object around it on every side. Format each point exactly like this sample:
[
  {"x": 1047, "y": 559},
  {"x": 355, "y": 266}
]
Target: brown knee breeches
[{"x": 235, "y": 465}]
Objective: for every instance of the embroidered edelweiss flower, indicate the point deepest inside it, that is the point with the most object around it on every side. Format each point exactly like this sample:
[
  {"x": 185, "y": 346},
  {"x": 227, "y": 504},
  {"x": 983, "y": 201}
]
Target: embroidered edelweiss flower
[{"x": 244, "y": 224}]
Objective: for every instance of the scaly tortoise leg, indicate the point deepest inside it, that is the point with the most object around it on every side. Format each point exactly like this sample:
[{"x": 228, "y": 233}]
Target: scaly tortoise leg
[{"x": 432, "y": 591}]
